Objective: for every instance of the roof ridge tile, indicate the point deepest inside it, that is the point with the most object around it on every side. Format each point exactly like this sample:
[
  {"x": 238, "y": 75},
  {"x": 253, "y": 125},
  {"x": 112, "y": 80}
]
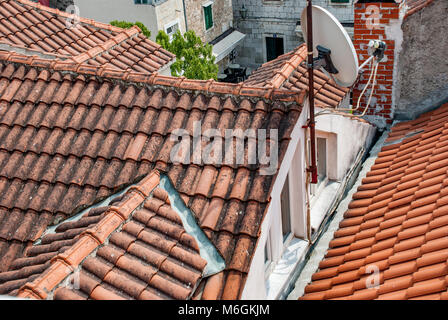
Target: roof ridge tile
[
  {"x": 116, "y": 40},
  {"x": 208, "y": 86},
  {"x": 289, "y": 66},
  {"x": 64, "y": 263}
]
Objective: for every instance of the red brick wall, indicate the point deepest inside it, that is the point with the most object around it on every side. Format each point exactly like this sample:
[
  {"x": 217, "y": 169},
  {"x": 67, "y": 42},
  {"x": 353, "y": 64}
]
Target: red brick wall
[{"x": 370, "y": 22}]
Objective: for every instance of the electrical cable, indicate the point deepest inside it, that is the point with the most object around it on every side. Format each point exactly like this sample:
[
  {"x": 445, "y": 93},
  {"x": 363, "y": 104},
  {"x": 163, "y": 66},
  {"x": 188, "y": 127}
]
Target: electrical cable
[{"x": 373, "y": 74}]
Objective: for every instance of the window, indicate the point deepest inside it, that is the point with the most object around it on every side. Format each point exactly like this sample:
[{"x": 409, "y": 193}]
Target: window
[
  {"x": 171, "y": 29},
  {"x": 286, "y": 211},
  {"x": 321, "y": 159},
  {"x": 151, "y": 2},
  {"x": 208, "y": 16},
  {"x": 321, "y": 162},
  {"x": 268, "y": 259},
  {"x": 274, "y": 48},
  {"x": 340, "y": 1}
]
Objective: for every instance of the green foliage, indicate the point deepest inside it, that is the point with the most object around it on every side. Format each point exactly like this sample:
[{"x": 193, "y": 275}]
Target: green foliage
[
  {"x": 194, "y": 59},
  {"x": 127, "y": 25}
]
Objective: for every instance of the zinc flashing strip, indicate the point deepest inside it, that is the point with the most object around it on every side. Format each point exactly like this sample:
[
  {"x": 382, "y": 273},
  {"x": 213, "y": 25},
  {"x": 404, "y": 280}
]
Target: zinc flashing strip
[
  {"x": 322, "y": 245},
  {"x": 79, "y": 215},
  {"x": 215, "y": 263}
]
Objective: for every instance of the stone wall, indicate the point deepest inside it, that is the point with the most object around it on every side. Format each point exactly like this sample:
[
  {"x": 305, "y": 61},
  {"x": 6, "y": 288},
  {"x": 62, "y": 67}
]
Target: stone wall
[
  {"x": 61, "y": 4},
  {"x": 279, "y": 18},
  {"x": 377, "y": 21},
  {"x": 222, "y": 18},
  {"x": 423, "y": 64}
]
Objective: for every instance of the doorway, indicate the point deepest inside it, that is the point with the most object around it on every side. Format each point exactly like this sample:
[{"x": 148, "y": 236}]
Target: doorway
[{"x": 274, "y": 48}]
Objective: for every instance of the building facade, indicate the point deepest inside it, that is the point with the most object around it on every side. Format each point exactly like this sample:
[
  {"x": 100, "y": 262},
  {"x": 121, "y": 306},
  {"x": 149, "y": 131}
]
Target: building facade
[
  {"x": 273, "y": 27},
  {"x": 212, "y": 21}
]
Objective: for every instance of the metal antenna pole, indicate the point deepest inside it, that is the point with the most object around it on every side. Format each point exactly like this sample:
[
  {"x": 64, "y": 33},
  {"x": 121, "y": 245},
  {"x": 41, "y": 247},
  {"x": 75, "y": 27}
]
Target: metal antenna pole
[{"x": 312, "y": 123}]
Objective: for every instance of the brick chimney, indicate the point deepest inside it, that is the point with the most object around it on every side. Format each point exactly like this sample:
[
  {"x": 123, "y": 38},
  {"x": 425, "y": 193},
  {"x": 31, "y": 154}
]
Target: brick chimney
[{"x": 377, "y": 20}]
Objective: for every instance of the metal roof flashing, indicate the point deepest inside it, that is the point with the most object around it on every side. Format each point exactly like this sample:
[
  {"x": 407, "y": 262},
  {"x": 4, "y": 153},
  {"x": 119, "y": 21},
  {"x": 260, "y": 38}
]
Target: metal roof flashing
[{"x": 215, "y": 263}]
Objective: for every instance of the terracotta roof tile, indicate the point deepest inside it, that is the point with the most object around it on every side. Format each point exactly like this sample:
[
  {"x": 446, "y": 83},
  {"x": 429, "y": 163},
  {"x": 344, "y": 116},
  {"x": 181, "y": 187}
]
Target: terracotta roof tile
[
  {"x": 80, "y": 149},
  {"x": 151, "y": 258},
  {"x": 34, "y": 29},
  {"x": 289, "y": 72},
  {"x": 405, "y": 220},
  {"x": 413, "y": 6}
]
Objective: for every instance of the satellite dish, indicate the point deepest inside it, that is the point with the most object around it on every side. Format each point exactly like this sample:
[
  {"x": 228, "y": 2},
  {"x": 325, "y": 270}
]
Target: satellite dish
[{"x": 335, "y": 46}]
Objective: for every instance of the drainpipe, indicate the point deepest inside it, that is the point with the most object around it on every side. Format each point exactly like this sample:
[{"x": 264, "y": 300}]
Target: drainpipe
[
  {"x": 185, "y": 16},
  {"x": 312, "y": 123}
]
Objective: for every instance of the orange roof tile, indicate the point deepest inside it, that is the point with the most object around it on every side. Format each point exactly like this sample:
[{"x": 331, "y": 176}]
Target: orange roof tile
[
  {"x": 148, "y": 254},
  {"x": 289, "y": 72},
  {"x": 71, "y": 137},
  {"x": 414, "y": 6},
  {"x": 396, "y": 223},
  {"x": 28, "y": 27}
]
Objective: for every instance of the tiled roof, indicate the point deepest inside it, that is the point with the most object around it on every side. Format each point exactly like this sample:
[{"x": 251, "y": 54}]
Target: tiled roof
[
  {"x": 31, "y": 28},
  {"x": 415, "y": 6},
  {"x": 69, "y": 140},
  {"x": 135, "y": 248},
  {"x": 289, "y": 71},
  {"x": 397, "y": 221}
]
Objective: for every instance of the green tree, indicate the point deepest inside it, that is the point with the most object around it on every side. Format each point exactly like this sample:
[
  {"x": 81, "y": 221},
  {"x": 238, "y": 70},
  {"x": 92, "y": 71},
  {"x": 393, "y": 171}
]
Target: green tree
[
  {"x": 194, "y": 59},
  {"x": 127, "y": 25}
]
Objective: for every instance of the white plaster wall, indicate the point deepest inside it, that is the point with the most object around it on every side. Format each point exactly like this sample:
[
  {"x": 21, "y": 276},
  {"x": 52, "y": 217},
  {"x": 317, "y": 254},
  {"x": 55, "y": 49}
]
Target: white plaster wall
[
  {"x": 351, "y": 135},
  {"x": 345, "y": 134},
  {"x": 153, "y": 17},
  {"x": 169, "y": 12},
  {"x": 255, "y": 287}
]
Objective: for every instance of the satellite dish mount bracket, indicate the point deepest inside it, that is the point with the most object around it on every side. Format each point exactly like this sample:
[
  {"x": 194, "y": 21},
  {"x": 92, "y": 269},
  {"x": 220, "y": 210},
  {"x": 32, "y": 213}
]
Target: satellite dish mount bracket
[{"x": 324, "y": 60}]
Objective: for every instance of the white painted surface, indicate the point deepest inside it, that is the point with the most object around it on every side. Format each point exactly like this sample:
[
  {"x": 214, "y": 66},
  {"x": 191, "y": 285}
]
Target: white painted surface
[
  {"x": 346, "y": 137},
  {"x": 329, "y": 33},
  {"x": 323, "y": 203},
  {"x": 226, "y": 45},
  {"x": 395, "y": 32},
  {"x": 153, "y": 17},
  {"x": 321, "y": 247},
  {"x": 284, "y": 269},
  {"x": 255, "y": 287},
  {"x": 350, "y": 136}
]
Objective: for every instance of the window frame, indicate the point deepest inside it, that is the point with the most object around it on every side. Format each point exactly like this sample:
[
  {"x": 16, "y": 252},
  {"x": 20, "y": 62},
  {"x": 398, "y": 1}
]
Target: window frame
[
  {"x": 271, "y": 35},
  {"x": 273, "y": 252},
  {"x": 268, "y": 259},
  {"x": 208, "y": 4},
  {"x": 286, "y": 238},
  {"x": 335, "y": 3},
  {"x": 171, "y": 24},
  {"x": 316, "y": 189}
]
